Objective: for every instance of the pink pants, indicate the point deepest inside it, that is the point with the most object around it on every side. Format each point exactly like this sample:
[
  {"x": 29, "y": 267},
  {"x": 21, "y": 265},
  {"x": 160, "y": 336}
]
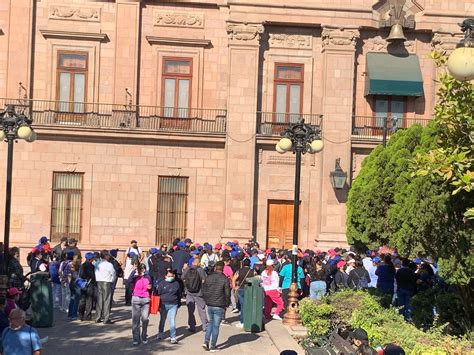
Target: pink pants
[{"x": 272, "y": 296}]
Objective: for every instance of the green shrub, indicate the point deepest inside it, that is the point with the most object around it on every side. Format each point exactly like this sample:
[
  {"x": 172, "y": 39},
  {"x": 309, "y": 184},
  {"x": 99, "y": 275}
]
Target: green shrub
[{"x": 358, "y": 309}]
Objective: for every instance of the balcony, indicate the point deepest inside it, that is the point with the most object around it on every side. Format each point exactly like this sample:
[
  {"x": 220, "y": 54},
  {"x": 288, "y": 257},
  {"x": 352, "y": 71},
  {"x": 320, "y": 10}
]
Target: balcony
[
  {"x": 272, "y": 123},
  {"x": 121, "y": 117},
  {"x": 370, "y": 129}
]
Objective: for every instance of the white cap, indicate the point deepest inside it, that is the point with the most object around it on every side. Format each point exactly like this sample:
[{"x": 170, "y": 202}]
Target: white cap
[{"x": 270, "y": 262}]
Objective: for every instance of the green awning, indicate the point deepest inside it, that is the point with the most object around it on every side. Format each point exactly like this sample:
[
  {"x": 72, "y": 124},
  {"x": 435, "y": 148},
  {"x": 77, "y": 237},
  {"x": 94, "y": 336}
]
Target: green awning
[{"x": 395, "y": 75}]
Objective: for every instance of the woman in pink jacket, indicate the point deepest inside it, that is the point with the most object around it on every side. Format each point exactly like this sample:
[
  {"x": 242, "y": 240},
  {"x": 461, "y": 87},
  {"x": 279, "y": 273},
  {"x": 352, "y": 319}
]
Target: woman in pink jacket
[{"x": 270, "y": 284}]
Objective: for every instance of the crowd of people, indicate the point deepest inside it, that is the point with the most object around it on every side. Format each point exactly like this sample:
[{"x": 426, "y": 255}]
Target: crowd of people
[{"x": 207, "y": 278}]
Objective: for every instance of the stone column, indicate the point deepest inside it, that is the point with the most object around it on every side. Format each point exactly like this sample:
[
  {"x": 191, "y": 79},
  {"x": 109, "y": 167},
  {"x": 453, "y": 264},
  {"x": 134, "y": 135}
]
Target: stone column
[
  {"x": 241, "y": 128},
  {"x": 338, "y": 48},
  {"x": 126, "y": 50},
  {"x": 18, "y": 53}
]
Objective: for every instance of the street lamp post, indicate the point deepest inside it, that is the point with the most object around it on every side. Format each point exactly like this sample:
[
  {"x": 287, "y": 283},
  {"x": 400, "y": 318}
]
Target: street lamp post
[
  {"x": 13, "y": 126},
  {"x": 300, "y": 138},
  {"x": 461, "y": 61}
]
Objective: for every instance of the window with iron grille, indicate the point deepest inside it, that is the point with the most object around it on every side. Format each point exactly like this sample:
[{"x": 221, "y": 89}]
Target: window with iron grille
[
  {"x": 66, "y": 206},
  {"x": 172, "y": 209}
]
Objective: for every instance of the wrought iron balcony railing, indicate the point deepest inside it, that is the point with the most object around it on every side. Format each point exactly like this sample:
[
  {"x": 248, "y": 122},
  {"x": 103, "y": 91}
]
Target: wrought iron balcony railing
[
  {"x": 371, "y": 128},
  {"x": 273, "y": 123},
  {"x": 115, "y": 116}
]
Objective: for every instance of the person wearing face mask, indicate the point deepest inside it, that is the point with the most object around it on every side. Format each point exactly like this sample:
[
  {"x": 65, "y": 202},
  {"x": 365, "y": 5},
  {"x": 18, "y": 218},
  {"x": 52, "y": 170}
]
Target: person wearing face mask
[
  {"x": 19, "y": 338},
  {"x": 169, "y": 291}
]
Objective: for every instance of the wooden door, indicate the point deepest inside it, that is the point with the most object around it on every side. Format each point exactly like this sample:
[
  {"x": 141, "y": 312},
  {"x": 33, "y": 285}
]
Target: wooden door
[{"x": 280, "y": 224}]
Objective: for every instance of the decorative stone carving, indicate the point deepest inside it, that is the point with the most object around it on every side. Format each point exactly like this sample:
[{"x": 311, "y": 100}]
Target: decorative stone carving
[
  {"x": 445, "y": 41},
  {"x": 281, "y": 40},
  {"x": 244, "y": 32},
  {"x": 74, "y": 13},
  {"x": 379, "y": 44},
  {"x": 179, "y": 19},
  {"x": 174, "y": 171},
  {"x": 340, "y": 37},
  {"x": 403, "y": 12}
]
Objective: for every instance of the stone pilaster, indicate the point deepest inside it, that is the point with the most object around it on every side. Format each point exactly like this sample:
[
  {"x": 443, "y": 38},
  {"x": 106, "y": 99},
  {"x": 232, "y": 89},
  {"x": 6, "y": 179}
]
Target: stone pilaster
[
  {"x": 244, "y": 40},
  {"x": 338, "y": 48},
  {"x": 126, "y": 51},
  {"x": 445, "y": 41}
]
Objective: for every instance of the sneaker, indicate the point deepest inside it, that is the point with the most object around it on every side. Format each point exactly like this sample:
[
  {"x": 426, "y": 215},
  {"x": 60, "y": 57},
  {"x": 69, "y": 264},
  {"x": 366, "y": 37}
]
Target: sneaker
[
  {"x": 161, "y": 336},
  {"x": 214, "y": 350},
  {"x": 145, "y": 341},
  {"x": 135, "y": 343},
  {"x": 276, "y": 317},
  {"x": 240, "y": 325},
  {"x": 174, "y": 341},
  {"x": 235, "y": 310},
  {"x": 225, "y": 322},
  {"x": 205, "y": 346}
]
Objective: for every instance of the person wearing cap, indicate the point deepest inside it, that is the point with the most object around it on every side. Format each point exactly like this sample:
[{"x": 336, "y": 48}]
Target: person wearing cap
[
  {"x": 180, "y": 258},
  {"x": 87, "y": 272},
  {"x": 373, "y": 277},
  {"x": 19, "y": 338},
  {"x": 105, "y": 276},
  {"x": 339, "y": 281},
  {"x": 271, "y": 288},
  {"x": 151, "y": 252},
  {"x": 13, "y": 296},
  {"x": 360, "y": 341},
  {"x": 75, "y": 290},
  {"x": 393, "y": 349},
  {"x": 43, "y": 245}
]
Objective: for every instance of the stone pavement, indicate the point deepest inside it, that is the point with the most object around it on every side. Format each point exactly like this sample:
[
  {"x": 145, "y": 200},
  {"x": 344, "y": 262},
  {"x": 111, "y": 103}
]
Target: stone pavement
[{"x": 71, "y": 338}]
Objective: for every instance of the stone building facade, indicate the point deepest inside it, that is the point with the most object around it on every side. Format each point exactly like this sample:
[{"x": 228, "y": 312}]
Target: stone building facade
[{"x": 159, "y": 119}]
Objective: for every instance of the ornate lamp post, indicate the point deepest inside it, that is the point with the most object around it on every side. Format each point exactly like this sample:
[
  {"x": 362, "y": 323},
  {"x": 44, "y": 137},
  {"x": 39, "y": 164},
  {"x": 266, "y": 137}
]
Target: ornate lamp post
[
  {"x": 299, "y": 138},
  {"x": 13, "y": 126},
  {"x": 461, "y": 61}
]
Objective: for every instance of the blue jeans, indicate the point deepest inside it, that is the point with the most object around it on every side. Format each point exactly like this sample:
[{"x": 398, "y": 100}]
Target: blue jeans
[
  {"x": 168, "y": 310},
  {"x": 404, "y": 301},
  {"x": 215, "y": 316},
  {"x": 74, "y": 301},
  {"x": 317, "y": 289},
  {"x": 240, "y": 294}
]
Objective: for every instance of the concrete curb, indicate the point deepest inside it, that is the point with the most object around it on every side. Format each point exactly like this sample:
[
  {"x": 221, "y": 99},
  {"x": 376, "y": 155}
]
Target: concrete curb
[{"x": 281, "y": 337}]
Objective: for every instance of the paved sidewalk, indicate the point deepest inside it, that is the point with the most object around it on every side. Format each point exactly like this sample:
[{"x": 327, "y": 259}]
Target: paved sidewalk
[{"x": 78, "y": 337}]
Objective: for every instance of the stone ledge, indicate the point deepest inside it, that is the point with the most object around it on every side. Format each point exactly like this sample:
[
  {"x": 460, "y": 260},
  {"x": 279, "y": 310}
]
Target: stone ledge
[{"x": 280, "y": 336}]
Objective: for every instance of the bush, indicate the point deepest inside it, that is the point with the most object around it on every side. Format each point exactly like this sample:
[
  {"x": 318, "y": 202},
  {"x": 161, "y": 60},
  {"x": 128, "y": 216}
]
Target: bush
[{"x": 358, "y": 309}]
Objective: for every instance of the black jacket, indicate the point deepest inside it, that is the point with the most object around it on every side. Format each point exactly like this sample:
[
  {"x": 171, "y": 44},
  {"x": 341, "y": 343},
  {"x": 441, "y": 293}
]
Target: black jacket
[
  {"x": 180, "y": 257},
  {"x": 158, "y": 267},
  {"x": 216, "y": 290},
  {"x": 169, "y": 292},
  {"x": 406, "y": 279},
  {"x": 87, "y": 271}
]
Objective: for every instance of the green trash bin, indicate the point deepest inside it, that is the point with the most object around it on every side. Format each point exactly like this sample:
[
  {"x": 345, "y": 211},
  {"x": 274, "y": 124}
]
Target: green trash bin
[
  {"x": 253, "y": 305},
  {"x": 41, "y": 294}
]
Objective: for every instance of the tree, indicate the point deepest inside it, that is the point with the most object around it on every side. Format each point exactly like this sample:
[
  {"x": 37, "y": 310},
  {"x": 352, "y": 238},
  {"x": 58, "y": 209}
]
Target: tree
[{"x": 416, "y": 195}]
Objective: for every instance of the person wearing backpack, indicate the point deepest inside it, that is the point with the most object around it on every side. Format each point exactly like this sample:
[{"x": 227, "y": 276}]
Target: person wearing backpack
[
  {"x": 87, "y": 273},
  {"x": 193, "y": 278},
  {"x": 359, "y": 278},
  {"x": 209, "y": 260}
]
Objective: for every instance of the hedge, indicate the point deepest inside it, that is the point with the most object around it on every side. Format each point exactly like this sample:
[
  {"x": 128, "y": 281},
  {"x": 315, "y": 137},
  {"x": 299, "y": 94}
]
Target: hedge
[{"x": 359, "y": 309}]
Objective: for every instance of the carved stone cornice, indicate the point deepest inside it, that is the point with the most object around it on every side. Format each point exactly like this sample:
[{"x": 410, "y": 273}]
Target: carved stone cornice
[
  {"x": 281, "y": 40},
  {"x": 84, "y": 36},
  {"x": 446, "y": 41},
  {"x": 193, "y": 42},
  {"x": 244, "y": 33},
  {"x": 58, "y": 12},
  {"x": 178, "y": 19},
  {"x": 379, "y": 44},
  {"x": 339, "y": 37}
]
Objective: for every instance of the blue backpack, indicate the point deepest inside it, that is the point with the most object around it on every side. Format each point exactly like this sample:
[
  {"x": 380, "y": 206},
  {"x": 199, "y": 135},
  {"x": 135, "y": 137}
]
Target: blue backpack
[{"x": 54, "y": 272}]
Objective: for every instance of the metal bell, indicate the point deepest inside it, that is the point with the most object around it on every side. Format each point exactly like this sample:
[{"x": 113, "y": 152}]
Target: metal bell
[{"x": 396, "y": 33}]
